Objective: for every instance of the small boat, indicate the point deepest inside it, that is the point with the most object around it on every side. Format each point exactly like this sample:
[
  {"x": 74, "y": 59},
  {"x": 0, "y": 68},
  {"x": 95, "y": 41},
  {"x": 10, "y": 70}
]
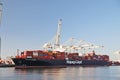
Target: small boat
[{"x": 6, "y": 63}]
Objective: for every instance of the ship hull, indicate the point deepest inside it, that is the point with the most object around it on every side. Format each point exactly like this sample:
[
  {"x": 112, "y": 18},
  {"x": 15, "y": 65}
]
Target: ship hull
[
  {"x": 87, "y": 63},
  {"x": 36, "y": 63},
  {"x": 7, "y": 65}
]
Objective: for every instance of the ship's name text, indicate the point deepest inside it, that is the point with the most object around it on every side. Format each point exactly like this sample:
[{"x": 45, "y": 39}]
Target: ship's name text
[{"x": 74, "y": 62}]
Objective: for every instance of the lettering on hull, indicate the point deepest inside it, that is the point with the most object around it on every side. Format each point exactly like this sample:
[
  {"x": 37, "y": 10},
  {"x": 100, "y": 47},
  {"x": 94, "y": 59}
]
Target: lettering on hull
[{"x": 74, "y": 62}]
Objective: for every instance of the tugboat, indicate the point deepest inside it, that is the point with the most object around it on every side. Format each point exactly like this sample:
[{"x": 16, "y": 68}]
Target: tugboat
[{"x": 56, "y": 55}]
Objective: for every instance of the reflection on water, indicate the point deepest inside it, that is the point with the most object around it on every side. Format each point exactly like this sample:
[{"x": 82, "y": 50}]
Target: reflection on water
[{"x": 69, "y": 73}]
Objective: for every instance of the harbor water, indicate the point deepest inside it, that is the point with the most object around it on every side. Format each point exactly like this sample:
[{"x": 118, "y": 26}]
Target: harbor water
[{"x": 69, "y": 73}]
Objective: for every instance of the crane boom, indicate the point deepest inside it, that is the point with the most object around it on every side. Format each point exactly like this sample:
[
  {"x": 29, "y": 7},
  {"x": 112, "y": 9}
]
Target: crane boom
[{"x": 57, "y": 39}]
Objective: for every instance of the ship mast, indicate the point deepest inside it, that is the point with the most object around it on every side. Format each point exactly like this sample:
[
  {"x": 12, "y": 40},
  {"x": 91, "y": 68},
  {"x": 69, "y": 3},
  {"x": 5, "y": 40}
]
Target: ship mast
[{"x": 57, "y": 39}]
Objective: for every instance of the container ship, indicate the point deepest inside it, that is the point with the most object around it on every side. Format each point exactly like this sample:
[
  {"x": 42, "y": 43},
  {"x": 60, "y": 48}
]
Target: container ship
[
  {"x": 61, "y": 55},
  {"x": 39, "y": 58}
]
